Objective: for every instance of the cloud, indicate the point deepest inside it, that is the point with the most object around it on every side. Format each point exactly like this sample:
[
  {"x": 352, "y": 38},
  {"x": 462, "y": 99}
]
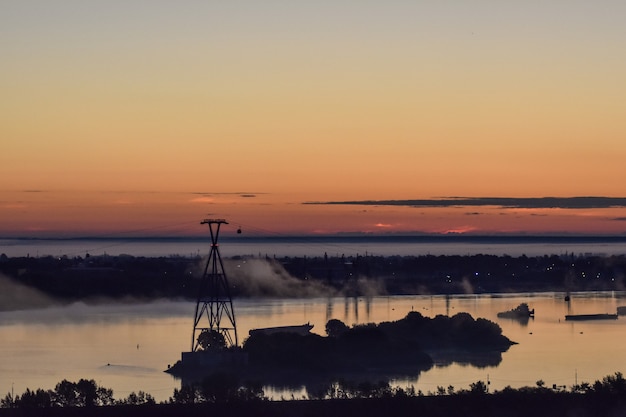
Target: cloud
[
  {"x": 239, "y": 193},
  {"x": 14, "y": 206},
  {"x": 459, "y": 230},
  {"x": 210, "y": 197},
  {"x": 204, "y": 199},
  {"x": 590, "y": 202}
]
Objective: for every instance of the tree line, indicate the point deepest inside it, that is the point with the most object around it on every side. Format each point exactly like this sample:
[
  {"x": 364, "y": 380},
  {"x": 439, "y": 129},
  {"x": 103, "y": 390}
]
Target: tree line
[
  {"x": 79, "y": 278},
  {"x": 221, "y": 388},
  {"x": 84, "y": 393}
]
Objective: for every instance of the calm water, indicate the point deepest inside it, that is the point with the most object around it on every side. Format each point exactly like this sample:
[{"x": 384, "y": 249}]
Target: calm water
[{"x": 126, "y": 347}]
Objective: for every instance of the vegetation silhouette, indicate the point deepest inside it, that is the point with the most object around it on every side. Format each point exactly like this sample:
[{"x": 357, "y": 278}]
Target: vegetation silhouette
[
  {"x": 68, "y": 279},
  {"x": 223, "y": 394},
  {"x": 400, "y": 347},
  {"x": 365, "y": 352}
]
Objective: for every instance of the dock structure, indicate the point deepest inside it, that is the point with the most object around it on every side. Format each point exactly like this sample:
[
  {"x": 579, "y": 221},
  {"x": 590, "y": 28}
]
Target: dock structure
[{"x": 581, "y": 317}]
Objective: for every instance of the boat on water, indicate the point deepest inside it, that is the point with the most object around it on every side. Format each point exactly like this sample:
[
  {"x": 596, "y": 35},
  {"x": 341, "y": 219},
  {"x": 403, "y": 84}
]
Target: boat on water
[
  {"x": 521, "y": 311},
  {"x": 302, "y": 329},
  {"x": 600, "y": 316}
]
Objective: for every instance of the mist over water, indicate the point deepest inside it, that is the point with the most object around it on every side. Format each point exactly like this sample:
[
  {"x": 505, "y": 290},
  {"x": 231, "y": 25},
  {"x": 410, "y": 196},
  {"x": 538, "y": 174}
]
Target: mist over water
[
  {"x": 265, "y": 277},
  {"x": 17, "y": 296},
  {"x": 268, "y": 278},
  {"x": 128, "y": 346}
]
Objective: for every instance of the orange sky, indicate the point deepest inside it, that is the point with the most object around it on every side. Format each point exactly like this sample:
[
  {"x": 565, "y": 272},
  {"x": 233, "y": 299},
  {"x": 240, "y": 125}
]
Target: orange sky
[{"x": 147, "y": 116}]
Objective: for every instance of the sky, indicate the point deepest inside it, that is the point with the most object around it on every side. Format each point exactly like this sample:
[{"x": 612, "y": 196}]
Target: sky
[{"x": 143, "y": 117}]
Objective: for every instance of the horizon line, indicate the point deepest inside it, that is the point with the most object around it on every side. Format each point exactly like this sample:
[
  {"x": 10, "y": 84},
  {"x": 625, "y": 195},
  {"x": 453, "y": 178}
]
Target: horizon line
[{"x": 231, "y": 236}]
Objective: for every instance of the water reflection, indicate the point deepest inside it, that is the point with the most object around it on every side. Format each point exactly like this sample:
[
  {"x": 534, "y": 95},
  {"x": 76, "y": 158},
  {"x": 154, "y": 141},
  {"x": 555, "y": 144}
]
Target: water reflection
[
  {"x": 290, "y": 384},
  {"x": 522, "y": 320},
  {"x": 39, "y": 348},
  {"x": 477, "y": 359},
  {"x": 403, "y": 349}
]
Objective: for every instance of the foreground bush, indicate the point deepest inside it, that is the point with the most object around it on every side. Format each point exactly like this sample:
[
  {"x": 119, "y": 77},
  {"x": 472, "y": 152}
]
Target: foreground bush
[
  {"x": 84, "y": 393},
  {"x": 224, "y": 389}
]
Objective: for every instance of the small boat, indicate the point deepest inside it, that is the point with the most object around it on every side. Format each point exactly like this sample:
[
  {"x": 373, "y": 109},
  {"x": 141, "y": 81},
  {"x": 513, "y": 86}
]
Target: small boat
[
  {"x": 302, "y": 329},
  {"x": 521, "y": 311},
  {"x": 601, "y": 316}
]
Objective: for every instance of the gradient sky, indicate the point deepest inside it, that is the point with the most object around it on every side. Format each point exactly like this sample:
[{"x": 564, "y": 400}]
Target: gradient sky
[{"x": 147, "y": 116}]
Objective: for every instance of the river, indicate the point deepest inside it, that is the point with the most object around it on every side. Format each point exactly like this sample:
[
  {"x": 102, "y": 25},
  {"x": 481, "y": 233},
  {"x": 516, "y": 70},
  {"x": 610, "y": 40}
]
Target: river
[{"x": 126, "y": 346}]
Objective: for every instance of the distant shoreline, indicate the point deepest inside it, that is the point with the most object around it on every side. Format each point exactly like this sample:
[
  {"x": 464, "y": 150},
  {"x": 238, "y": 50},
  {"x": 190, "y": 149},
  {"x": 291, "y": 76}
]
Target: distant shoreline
[{"x": 84, "y": 276}]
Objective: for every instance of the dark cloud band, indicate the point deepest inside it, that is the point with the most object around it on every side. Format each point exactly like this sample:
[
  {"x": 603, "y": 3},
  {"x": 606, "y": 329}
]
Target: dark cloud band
[{"x": 503, "y": 202}]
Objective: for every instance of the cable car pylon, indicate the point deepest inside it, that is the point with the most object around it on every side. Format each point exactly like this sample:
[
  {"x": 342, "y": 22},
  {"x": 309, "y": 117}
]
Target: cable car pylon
[{"x": 214, "y": 302}]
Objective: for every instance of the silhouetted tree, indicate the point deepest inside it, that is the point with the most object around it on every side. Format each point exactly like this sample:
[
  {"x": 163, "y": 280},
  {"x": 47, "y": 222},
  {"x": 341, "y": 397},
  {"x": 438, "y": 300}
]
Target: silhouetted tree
[
  {"x": 139, "y": 398},
  {"x": 335, "y": 328},
  {"x": 611, "y": 384},
  {"x": 211, "y": 339},
  {"x": 35, "y": 399},
  {"x": 8, "y": 401},
  {"x": 187, "y": 394},
  {"x": 65, "y": 394},
  {"x": 478, "y": 387},
  {"x": 84, "y": 393}
]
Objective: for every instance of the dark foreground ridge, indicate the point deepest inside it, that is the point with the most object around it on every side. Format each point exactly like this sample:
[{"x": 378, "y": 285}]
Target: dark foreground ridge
[
  {"x": 603, "y": 398},
  {"x": 514, "y": 405},
  {"x": 83, "y": 278}
]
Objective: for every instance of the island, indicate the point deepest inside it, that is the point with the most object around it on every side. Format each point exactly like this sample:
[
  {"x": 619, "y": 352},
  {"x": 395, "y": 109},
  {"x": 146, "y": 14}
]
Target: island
[{"x": 406, "y": 347}]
